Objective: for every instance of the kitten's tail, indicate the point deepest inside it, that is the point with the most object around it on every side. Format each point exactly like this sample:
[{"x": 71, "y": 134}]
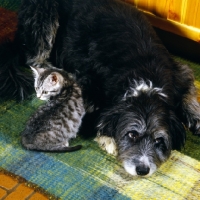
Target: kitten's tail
[
  {"x": 63, "y": 149},
  {"x": 15, "y": 80},
  {"x": 54, "y": 150},
  {"x": 47, "y": 148}
]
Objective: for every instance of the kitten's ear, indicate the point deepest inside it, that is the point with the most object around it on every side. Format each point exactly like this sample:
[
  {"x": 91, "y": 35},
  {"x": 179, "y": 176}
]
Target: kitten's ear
[
  {"x": 56, "y": 78},
  {"x": 36, "y": 70}
]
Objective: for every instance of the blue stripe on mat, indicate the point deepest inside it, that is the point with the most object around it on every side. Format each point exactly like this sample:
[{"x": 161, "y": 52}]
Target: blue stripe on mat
[{"x": 55, "y": 176}]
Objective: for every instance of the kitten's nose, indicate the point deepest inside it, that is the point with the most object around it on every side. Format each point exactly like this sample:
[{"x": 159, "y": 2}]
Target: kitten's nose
[{"x": 142, "y": 170}]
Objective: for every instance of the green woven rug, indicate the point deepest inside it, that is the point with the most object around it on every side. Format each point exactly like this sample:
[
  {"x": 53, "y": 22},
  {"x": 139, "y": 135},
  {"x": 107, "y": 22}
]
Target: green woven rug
[{"x": 91, "y": 173}]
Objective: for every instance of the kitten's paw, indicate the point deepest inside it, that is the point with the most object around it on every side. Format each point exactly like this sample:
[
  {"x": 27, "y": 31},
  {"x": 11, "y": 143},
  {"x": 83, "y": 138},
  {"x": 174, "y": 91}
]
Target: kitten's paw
[{"x": 66, "y": 144}]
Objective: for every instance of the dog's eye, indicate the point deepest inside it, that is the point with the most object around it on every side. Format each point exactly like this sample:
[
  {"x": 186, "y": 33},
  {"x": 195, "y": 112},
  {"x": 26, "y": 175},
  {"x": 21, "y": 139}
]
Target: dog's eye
[
  {"x": 160, "y": 144},
  {"x": 133, "y": 135},
  {"x": 158, "y": 140}
]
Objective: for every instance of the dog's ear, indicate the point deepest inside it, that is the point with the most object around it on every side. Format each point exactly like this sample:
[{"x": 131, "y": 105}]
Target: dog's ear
[
  {"x": 177, "y": 131},
  {"x": 107, "y": 123}
]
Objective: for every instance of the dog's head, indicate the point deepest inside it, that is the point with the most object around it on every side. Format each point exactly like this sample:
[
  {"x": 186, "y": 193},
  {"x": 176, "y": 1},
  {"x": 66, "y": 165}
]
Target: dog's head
[{"x": 145, "y": 130}]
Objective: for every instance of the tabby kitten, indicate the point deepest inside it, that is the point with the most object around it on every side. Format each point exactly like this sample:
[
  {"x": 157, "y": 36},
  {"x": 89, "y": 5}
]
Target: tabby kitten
[{"x": 52, "y": 126}]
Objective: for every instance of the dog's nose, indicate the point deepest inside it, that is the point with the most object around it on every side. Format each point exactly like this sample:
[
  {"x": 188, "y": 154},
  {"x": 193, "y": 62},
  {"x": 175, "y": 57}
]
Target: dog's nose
[{"x": 142, "y": 170}]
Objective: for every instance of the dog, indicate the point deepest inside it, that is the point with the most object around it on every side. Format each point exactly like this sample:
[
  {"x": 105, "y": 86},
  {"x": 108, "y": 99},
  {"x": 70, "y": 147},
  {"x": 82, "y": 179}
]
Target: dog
[
  {"x": 143, "y": 128},
  {"x": 145, "y": 98}
]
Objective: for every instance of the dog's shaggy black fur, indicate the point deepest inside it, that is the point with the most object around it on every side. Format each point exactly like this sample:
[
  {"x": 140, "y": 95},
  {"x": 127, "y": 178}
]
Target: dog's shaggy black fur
[{"x": 143, "y": 95}]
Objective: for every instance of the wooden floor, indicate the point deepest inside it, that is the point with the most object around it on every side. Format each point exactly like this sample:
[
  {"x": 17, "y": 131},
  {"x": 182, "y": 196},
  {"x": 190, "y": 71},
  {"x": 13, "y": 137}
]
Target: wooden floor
[{"x": 16, "y": 188}]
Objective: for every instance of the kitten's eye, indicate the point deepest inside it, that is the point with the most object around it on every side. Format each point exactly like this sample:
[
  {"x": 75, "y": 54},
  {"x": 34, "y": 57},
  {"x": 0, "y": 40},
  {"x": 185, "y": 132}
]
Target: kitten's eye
[
  {"x": 134, "y": 135},
  {"x": 45, "y": 92},
  {"x": 36, "y": 88}
]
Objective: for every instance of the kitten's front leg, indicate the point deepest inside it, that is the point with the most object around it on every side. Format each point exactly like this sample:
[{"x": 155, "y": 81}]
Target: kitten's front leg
[{"x": 37, "y": 28}]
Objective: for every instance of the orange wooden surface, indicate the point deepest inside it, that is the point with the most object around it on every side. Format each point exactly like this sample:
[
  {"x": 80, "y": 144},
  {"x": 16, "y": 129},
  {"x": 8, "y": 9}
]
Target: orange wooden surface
[{"x": 181, "y": 17}]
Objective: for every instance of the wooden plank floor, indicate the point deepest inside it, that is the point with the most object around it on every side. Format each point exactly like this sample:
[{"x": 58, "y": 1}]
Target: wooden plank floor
[{"x": 13, "y": 187}]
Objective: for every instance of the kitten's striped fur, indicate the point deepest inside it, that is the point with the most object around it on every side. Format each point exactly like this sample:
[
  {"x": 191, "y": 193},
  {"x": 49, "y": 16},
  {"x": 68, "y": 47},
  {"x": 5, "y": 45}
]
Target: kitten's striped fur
[{"x": 52, "y": 126}]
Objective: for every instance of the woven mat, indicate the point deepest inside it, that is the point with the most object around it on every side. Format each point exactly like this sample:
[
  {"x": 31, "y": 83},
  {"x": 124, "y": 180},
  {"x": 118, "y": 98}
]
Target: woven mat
[{"x": 90, "y": 173}]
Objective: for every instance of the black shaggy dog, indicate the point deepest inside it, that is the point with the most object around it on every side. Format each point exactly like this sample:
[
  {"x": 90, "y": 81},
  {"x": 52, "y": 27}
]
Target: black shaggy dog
[{"x": 143, "y": 95}]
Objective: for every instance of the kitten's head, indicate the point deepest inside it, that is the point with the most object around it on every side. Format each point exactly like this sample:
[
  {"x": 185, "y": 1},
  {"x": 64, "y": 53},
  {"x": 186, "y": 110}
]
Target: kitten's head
[{"x": 48, "y": 82}]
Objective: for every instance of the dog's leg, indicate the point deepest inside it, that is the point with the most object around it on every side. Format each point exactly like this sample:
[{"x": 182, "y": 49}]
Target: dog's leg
[
  {"x": 191, "y": 111},
  {"x": 188, "y": 108},
  {"x": 107, "y": 143},
  {"x": 37, "y": 28}
]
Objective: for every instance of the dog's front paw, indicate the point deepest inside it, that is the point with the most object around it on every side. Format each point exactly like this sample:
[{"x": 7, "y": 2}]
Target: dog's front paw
[
  {"x": 107, "y": 143},
  {"x": 195, "y": 129},
  {"x": 197, "y": 132}
]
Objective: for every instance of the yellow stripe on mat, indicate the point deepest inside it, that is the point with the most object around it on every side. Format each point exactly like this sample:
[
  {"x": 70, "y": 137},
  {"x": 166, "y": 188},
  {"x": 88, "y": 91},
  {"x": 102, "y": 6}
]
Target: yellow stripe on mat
[{"x": 178, "y": 178}]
